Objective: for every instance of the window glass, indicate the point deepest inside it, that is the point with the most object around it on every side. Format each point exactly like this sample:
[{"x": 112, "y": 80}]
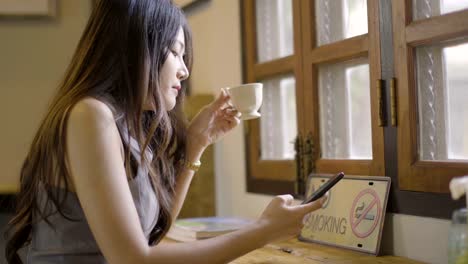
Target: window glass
[
  {"x": 442, "y": 101},
  {"x": 340, "y": 19},
  {"x": 274, "y": 29},
  {"x": 278, "y": 123},
  {"x": 423, "y": 9},
  {"x": 345, "y": 117}
]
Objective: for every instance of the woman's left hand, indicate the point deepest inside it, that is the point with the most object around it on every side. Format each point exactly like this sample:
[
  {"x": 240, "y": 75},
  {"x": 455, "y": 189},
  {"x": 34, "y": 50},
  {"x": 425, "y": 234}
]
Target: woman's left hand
[{"x": 212, "y": 122}]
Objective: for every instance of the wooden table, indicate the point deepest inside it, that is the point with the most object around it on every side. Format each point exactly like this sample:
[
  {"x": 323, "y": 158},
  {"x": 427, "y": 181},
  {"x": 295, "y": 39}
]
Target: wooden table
[{"x": 297, "y": 252}]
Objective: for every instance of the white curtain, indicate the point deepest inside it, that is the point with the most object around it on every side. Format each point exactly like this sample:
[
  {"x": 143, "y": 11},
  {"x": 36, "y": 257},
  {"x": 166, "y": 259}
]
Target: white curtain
[
  {"x": 278, "y": 123},
  {"x": 274, "y": 29},
  {"x": 442, "y": 86}
]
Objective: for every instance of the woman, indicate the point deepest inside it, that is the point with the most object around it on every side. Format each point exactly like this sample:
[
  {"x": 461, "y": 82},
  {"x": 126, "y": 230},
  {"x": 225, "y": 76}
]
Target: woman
[{"x": 110, "y": 166}]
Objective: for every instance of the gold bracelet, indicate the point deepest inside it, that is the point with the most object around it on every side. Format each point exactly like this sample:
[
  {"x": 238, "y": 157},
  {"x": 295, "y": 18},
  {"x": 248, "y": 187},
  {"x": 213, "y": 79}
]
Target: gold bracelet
[{"x": 193, "y": 165}]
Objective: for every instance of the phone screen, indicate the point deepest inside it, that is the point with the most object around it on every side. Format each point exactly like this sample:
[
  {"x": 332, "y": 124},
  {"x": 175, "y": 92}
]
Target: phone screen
[{"x": 324, "y": 188}]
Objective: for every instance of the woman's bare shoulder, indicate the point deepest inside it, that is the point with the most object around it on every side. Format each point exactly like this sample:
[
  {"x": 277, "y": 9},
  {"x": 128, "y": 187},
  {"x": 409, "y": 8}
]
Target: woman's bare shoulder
[
  {"x": 91, "y": 111},
  {"x": 91, "y": 119},
  {"x": 91, "y": 126}
]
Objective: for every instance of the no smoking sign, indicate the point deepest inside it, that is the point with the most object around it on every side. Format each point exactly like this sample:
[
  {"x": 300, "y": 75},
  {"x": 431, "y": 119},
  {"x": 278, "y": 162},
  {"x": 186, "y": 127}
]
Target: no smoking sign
[
  {"x": 355, "y": 216},
  {"x": 365, "y": 213}
]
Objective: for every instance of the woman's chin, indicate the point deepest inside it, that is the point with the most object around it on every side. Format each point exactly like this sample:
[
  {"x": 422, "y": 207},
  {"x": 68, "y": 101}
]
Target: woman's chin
[
  {"x": 170, "y": 109},
  {"x": 170, "y": 104}
]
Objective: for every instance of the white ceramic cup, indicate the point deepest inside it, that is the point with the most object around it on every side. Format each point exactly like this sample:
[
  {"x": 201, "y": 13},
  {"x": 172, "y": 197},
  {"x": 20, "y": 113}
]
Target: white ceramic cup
[{"x": 247, "y": 99}]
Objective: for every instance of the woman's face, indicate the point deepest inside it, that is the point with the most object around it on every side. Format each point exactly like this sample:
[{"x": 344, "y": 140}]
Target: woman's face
[{"x": 173, "y": 71}]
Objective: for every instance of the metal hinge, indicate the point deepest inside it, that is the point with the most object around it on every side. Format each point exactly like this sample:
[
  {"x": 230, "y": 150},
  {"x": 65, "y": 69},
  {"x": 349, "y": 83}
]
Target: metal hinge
[
  {"x": 381, "y": 102},
  {"x": 393, "y": 102}
]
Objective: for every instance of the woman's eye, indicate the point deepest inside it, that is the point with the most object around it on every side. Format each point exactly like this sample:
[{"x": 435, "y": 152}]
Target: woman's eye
[{"x": 174, "y": 53}]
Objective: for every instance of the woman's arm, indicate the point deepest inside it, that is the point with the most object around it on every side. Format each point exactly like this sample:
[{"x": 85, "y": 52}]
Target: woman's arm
[
  {"x": 100, "y": 182},
  {"x": 210, "y": 124},
  {"x": 98, "y": 175},
  {"x": 279, "y": 221},
  {"x": 193, "y": 154}
]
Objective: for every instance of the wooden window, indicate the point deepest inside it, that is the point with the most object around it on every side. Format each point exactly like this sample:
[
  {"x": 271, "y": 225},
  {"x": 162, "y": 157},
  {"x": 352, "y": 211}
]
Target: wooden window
[
  {"x": 341, "y": 69},
  {"x": 431, "y": 61},
  {"x": 272, "y": 41},
  {"x": 337, "y": 66},
  {"x": 322, "y": 86}
]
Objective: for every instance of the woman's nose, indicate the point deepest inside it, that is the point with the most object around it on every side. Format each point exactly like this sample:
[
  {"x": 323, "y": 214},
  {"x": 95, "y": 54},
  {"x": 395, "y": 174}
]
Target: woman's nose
[{"x": 183, "y": 73}]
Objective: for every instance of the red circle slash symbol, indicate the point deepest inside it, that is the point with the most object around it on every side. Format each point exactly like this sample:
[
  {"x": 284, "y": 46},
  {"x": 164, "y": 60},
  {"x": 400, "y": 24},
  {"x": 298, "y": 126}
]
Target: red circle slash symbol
[{"x": 363, "y": 218}]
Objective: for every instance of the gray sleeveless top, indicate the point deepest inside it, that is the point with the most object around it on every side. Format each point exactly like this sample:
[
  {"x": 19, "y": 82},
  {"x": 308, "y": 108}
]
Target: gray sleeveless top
[{"x": 72, "y": 241}]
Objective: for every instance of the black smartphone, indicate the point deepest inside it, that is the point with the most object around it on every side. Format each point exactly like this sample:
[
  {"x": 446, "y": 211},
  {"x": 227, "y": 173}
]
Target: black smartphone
[{"x": 324, "y": 188}]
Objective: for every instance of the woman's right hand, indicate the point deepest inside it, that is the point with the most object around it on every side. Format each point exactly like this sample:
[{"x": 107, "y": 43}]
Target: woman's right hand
[{"x": 282, "y": 220}]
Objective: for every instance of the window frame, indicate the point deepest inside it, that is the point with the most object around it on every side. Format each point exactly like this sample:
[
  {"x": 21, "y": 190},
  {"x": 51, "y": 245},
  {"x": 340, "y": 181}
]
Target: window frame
[
  {"x": 270, "y": 177},
  {"x": 367, "y": 45},
  {"x": 275, "y": 177},
  {"x": 401, "y": 200},
  {"x": 414, "y": 174}
]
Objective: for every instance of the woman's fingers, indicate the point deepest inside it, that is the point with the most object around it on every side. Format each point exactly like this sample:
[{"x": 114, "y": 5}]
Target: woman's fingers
[
  {"x": 218, "y": 103},
  {"x": 318, "y": 205},
  {"x": 287, "y": 199},
  {"x": 312, "y": 206},
  {"x": 230, "y": 111},
  {"x": 230, "y": 122},
  {"x": 229, "y": 118},
  {"x": 324, "y": 199}
]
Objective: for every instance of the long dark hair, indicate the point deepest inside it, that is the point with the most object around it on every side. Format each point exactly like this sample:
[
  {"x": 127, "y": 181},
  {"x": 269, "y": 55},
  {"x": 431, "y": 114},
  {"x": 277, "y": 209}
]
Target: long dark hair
[{"x": 117, "y": 61}]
